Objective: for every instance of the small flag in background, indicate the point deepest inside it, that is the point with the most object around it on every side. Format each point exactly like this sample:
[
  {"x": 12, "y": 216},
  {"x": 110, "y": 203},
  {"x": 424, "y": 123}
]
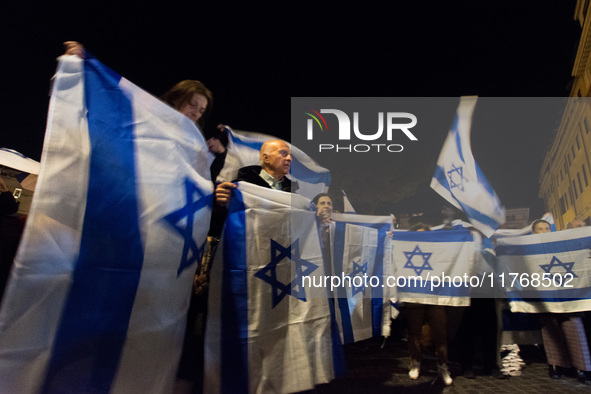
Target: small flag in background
[
  {"x": 460, "y": 181},
  {"x": 101, "y": 283}
]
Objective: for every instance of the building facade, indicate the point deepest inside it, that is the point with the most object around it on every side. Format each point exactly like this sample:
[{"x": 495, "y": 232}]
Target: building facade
[{"x": 566, "y": 172}]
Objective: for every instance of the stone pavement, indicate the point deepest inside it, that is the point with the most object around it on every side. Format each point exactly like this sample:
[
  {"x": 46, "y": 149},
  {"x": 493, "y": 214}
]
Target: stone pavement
[{"x": 373, "y": 369}]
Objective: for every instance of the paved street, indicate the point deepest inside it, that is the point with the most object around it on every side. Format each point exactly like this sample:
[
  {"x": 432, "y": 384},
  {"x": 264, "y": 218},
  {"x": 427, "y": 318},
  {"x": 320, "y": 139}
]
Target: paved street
[{"x": 372, "y": 369}]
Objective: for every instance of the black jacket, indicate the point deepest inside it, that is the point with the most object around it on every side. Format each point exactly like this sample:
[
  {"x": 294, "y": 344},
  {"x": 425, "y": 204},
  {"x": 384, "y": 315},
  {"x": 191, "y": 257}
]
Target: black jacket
[{"x": 251, "y": 174}]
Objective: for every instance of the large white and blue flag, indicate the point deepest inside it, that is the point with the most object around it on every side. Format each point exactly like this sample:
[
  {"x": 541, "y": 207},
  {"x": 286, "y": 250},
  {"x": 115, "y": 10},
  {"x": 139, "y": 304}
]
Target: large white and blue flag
[
  {"x": 547, "y": 272},
  {"x": 362, "y": 260},
  {"x": 460, "y": 181},
  {"x": 433, "y": 267},
  {"x": 243, "y": 150},
  {"x": 101, "y": 283},
  {"x": 270, "y": 325}
]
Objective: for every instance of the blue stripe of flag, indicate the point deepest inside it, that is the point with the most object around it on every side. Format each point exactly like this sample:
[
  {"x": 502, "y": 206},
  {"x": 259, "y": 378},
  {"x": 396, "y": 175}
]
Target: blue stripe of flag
[
  {"x": 339, "y": 248},
  {"x": 561, "y": 295},
  {"x": 567, "y": 245},
  {"x": 433, "y": 236},
  {"x": 95, "y": 318},
  {"x": 234, "y": 314}
]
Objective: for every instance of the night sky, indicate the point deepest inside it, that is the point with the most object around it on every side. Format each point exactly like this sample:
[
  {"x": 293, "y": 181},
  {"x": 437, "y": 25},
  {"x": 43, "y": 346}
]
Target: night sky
[{"x": 254, "y": 57}]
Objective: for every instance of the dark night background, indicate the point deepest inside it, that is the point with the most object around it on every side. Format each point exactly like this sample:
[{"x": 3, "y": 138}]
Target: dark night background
[{"x": 254, "y": 56}]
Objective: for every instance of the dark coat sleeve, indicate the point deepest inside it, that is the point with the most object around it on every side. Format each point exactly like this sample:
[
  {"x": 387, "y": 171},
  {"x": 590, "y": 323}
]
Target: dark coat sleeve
[{"x": 8, "y": 204}]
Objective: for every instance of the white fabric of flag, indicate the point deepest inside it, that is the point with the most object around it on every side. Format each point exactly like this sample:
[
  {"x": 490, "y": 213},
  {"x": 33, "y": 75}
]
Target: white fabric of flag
[
  {"x": 27, "y": 167},
  {"x": 267, "y": 332},
  {"x": 431, "y": 267},
  {"x": 347, "y": 206},
  {"x": 362, "y": 259},
  {"x": 547, "y": 272},
  {"x": 244, "y": 148},
  {"x": 101, "y": 282},
  {"x": 460, "y": 181},
  {"x": 550, "y": 219}
]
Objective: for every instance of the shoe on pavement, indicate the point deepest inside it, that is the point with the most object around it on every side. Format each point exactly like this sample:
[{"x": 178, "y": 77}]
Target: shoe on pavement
[
  {"x": 585, "y": 377},
  {"x": 443, "y": 373},
  {"x": 554, "y": 372},
  {"x": 414, "y": 370}
]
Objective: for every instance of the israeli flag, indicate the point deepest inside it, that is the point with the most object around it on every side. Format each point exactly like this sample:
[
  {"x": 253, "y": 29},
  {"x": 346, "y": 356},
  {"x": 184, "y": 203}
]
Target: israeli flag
[
  {"x": 433, "y": 267},
  {"x": 244, "y": 150},
  {"x": 362, "y": 260},
  {"x": 460, "y": 181},
  {"x": 269, "y": 326},
  {"x": 547, "y": 272},
  {"x": 101, "y": 282}
]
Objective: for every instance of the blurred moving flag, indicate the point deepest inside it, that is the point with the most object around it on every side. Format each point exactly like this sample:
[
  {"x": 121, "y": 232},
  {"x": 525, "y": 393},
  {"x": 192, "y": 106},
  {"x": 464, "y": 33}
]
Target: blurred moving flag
[
  {"x": 547, "y": 272},
  {"x": 243, "y": 150},
  {"x": 266, "y": 331},
  {"x": 101, "y": 283},
  {"x": 460, "y": 181}
]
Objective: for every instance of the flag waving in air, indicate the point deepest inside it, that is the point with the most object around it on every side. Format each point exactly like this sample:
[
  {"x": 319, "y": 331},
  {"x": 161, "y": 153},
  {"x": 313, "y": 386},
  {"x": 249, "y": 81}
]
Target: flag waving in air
[
  {"x": 460, "y": 181},
  {"x": 101, "y": 283}
]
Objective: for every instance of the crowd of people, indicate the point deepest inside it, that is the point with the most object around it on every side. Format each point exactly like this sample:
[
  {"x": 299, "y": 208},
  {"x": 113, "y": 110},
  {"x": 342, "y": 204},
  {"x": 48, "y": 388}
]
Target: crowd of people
[{"x": 564, "y": 336}]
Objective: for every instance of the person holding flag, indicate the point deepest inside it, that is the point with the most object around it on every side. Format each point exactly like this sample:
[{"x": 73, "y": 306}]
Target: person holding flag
[{"x": 565, "y": 342}]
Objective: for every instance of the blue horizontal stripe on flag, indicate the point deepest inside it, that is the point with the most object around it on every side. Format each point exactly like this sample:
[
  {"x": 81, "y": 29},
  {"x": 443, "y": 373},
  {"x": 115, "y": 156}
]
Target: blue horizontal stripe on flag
[
  {"x": 304, "y": 173},
  {"x": 562, "y": 295},
  {"x": 255, "y": 145},
  {"x": 483, "y": 218},
  {"x": 433, "y": 236},
  {"x": 566, "y": 245}
]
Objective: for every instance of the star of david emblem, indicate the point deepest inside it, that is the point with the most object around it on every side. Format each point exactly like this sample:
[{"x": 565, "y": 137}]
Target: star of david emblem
[
  {"x": 195, "y": 200},
  {"x": 302, "y": 267},
  {"x": 568, "y": 267},
  {"x": 425, "y": 266},
  {"x": 456, "y": 177},
  {"x": 360, "y": 270}
]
